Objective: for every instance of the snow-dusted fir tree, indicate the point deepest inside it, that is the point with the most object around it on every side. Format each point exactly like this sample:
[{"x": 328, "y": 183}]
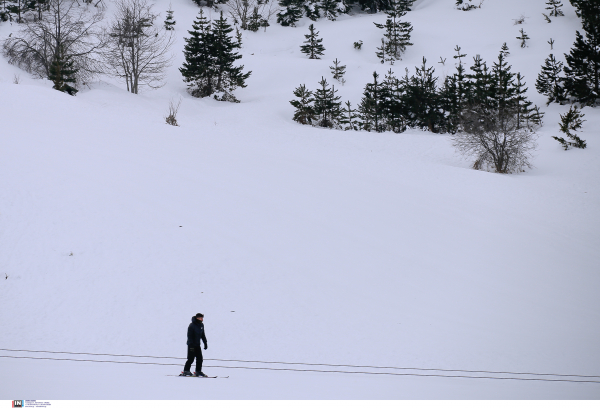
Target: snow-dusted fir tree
[
  {"x": 62, "y": 73},
  {"x": 305, "y": 112},
  {"x": 549, "y": 81},
  {"x": 422, "y": 101},
  {"x": 570, "y": 123},
  {"x": 332, "y": 8},
  {"x": 397, "y": 33},
  {"x": 210, "y": 54},
  {"x": 582, "y": 72},
  {"x": 466, "y": 5},
  {"x": 327, "y": 105},
  {"x": 198, "y": 70},
  {"x": 169, "y": 20},
  {"x": 523, "y": 37},
  {"x": 338, "y": 71},
  {"x": 291, "y": 11},
  {"x": 224, "y": 54},
  {"x": 554, "y": 6},
  {"x": 370, "y": 110},
  {"x": 348, "y": 118},
  {"x": 312, "y": 46}
]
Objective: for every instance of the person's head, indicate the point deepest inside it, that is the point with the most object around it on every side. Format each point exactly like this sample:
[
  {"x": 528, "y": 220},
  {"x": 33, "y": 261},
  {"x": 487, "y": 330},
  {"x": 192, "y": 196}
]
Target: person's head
[{"x": 199, "y": 316}]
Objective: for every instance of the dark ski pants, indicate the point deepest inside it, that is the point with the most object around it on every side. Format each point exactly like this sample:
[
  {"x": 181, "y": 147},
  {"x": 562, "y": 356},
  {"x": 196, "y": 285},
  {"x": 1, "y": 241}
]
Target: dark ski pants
[{"x": 194, "y": 353}]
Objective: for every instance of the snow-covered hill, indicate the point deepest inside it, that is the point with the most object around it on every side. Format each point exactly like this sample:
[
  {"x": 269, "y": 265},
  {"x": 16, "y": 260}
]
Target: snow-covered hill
[{"x": 298, "y": 244}]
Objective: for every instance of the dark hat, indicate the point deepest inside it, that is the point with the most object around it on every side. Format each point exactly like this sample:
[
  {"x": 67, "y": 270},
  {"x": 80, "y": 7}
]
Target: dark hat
[{"x": 199, "y": 315}]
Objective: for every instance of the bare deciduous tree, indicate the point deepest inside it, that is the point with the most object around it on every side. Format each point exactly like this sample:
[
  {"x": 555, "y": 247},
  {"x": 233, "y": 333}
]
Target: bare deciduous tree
[
  {"x": 138, "y": 50},
  {"x": 495, "y": 140},
  {"x": 252, "y": 14},
  {"x": 65, "y": 26}
]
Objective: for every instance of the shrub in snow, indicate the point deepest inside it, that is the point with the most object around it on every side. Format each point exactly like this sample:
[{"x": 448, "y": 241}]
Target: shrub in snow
[
  {"x": 523, "y": 37},
  {"x": 171, "y": 118},
  {"x": 305, "y": 112},
  {"x": 358, "y": 45},
  {"x": 554, "y": 6}
]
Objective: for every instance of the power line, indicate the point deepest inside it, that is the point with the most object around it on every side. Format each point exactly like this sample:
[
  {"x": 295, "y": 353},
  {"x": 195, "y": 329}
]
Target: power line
[
  {"x": 316, "y": 364},
  {"x": 313, "y": 371}
]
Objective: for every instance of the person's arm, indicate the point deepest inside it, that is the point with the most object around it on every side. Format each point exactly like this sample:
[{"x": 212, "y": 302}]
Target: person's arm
[{"x": 204, "y": 339}]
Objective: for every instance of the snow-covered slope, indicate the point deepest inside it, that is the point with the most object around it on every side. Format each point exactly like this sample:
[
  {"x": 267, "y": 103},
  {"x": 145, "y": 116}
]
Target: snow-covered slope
[{"x": 298, "y": 244}]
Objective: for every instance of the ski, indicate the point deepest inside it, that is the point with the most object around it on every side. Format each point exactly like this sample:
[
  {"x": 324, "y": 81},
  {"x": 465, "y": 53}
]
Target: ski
[{"x": 193, "y": 376}]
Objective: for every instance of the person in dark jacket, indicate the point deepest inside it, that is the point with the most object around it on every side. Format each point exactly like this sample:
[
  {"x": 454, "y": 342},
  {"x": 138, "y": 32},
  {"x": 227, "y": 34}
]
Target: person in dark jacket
[{"x": 195, "y": 333}]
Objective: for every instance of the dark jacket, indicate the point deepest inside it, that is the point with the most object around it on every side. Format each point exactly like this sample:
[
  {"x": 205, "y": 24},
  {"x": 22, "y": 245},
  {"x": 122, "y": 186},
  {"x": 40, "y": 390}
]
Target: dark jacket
[{"x": 196, "y": 333}]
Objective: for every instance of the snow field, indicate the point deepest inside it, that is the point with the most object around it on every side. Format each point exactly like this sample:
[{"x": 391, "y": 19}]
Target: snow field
[{"x": 297, "y": 243}]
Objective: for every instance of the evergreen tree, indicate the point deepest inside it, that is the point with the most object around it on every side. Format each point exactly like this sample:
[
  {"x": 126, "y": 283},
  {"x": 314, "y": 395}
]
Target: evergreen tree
[
  {"x": 305, "y": 112},
  {"x": 223, "y": 51},
  {"x": 198, "y": 69},
  {"x": 169, "y": 21},
  {"x": 370, "y": 110},
  {"x": 465, "y": 5},
  {"x": 327, "y": 106},
  {"x": 210, "y": 54},
  {"x": 312, "y": 46},
  {"x": 555, "y": 8},
  {"x": 397, "y": 33},
  {"x": 455, "y": 94},
  {"x": 504, "y": 84},
  {"x": 338, "y": 71},
  {"x": 332, "y": 8},
  {"x": 393, "y": 107},
  {"x": 312, "y": 9},
  {"x": 422, "y": 102},
  {"x": 291, "y": 12},
  {"x": 62, "y": 73},
  {"x": 481, "y": 91},
  {"x": 524, "y": 37},
  {"x": 582, "y": 73},
  {"x": 348, "y": 117},
  {"x": 528, "y": 115},
  {"x": 570, "y": 123},
  {"x": 549, "y": 81}
]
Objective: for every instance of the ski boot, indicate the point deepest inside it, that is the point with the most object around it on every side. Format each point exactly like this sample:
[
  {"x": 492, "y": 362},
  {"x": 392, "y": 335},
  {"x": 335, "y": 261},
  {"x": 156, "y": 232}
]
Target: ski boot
[
  {"x": 186, "y": 374},
  {"x": 200, "y": 374}
]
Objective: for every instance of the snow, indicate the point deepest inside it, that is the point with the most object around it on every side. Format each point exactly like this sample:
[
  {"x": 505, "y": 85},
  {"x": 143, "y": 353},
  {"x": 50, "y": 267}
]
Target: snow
[{"x": 298, "y": 244}]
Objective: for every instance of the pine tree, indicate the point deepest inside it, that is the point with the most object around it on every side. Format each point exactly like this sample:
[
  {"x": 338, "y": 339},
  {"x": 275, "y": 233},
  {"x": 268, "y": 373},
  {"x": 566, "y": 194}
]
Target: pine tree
[
  {"x": 455, "y": 94},
  {"x": 332, "y": 8},
  {"x": 223, "y": 51},
  {"x": 169, "y": 21},
  {"x": 397, "y": 33},
  {"x": 62, "y": 73},
  {"x": 528, "y": 115},
  {"x": 422, "y": 101},
  {"x": 370, "y": 110},
  {"x": 554, "y": 7},
  {"x": 524, "y": 37},
  {"x": 571, "y": 122},
  {"x": 312, "y": 46},
  {"x": 549, "y": 81},
  {"x": 465, "y": 5},
  {"x": 504, "y": 83},
  {"x": 392, "y": 105},
  {"x": 481, "y": 91},
  {"x": 327, "y": 106},
  {"x": 338, "y": 71},
  {"x": 348, "y": 118},
  {"x": 312, "y": 9},
  {"x": 291, "y": 12},
  {"x": 582, "y": 73},
  {"x": 198, "y": 69},
  {"x": 305, "y": 112}
]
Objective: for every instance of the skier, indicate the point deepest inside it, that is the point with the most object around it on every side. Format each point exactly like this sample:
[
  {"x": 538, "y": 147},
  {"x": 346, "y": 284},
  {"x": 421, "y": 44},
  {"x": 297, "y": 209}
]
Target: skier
[{"x": 195, "y": 333}]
